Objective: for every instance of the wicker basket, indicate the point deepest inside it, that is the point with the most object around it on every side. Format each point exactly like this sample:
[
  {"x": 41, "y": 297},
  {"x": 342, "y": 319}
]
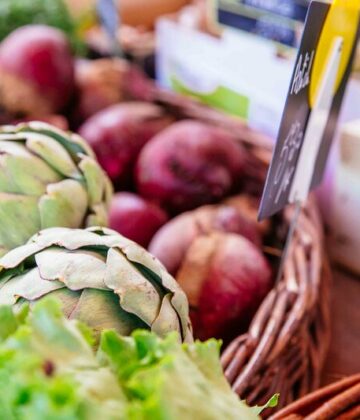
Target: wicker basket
[
  {"x": 285, "y": 348},
  {"x": 339, "y": 401}
]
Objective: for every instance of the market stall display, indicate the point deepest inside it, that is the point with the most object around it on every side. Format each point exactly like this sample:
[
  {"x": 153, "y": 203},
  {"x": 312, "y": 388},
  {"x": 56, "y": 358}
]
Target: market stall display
[
  {"x": 136, "y": 281},
  {"x": 241, "y": 157}
]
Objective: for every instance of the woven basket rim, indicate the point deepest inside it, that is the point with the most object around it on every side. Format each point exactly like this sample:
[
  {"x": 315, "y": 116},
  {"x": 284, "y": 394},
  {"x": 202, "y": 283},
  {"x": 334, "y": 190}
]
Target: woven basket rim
[{"x": 340, "y": 399}]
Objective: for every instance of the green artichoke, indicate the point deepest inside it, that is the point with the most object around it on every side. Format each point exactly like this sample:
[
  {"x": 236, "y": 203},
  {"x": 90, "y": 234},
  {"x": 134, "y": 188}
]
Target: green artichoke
[
  {"x": 48, "y": 178},
  {"x": 101, "y": 279}
]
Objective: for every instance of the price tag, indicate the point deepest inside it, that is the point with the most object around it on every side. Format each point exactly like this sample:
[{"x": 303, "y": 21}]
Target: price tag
[
  {"x": 313, "y": 104},
  {"x": 277, "y": 20},
  {"x": 108, "y": 12}
]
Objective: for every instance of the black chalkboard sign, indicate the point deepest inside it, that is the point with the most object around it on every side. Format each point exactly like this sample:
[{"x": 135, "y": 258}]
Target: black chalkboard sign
[{"x": 320, "y": 34}]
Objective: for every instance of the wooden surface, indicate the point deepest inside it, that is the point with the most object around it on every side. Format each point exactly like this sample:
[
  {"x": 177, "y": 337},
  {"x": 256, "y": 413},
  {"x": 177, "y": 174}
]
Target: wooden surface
[{"x": 344, "y": 353}]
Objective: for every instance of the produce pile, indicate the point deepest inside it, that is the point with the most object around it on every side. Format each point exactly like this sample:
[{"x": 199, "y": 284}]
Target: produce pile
[
  {"x": 160, "y": 167},
  {"x": 75, "y": 285}
]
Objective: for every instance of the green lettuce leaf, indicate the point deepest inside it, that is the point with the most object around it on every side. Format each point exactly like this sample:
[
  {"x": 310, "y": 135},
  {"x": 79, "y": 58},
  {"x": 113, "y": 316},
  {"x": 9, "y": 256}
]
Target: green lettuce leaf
[
  {"x": 50, "y": 370},
  {"x": 166, "y": 380}
]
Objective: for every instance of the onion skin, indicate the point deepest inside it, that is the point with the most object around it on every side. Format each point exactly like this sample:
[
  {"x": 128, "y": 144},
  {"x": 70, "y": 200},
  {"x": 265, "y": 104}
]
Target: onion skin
[
  {"x": 172, "y": 241},
  {"x": 188, "y": 165},
  {"x": 36, "y": 71},
  {"x": 118, "y": 133},
  {"x": 225, "y": 278},
  {"x": 248, "y": 206},
  {"x": 135, "y": 218}
]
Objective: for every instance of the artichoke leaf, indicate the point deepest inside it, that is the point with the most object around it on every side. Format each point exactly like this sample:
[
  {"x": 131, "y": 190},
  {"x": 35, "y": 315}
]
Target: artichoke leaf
[
  {"x": 65, "y": 204},
  {"x": 137, "y": 295},
  {"x": 167, "y": 319},
  {"x": 94, "y": 178},
  {"x": 73, "y": 143},
  {"x": 54, "y": 154},
  {"x": 8, "y": 133},
  {"x": 29, "y": 286},
  {"x": 10, "y": 147},
  {"x": 179, "y": 300},
  {"x": 137, "y": 254},
  {"x": 77, "y": 140},
  {"x": 70, "y": 239},
  {"x": 19, "y": 217},
  {"x": 98, "y": 215},
  {"x": 76, "y": 270},
  {"x": 101, "y": 310},
  {"x": 180, "y": 303},
  {"x": 111, "y": 238},
  {"x": 73, "y": 239},
  {"x": 23, "y": 172},
  {"x": 67, "y": 298},
  {"x": 18, "y": 255},
  {"x": 133, "y": 252}
]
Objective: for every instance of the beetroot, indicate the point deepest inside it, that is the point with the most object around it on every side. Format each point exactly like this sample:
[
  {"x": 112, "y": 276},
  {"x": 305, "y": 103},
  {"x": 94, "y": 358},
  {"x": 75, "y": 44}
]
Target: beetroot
[
  {"x": 189, "y": 164},
  {"x": 225, "y": 278},
  {"x": 36, "y": 71},
  {"x": 118, "y": 133},
  {"x": 135, "y": 218},
  {"x": 172, "y": 241}
]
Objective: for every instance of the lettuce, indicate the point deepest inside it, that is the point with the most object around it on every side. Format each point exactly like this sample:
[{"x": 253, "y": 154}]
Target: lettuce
[{"x": 49, "y": 370}]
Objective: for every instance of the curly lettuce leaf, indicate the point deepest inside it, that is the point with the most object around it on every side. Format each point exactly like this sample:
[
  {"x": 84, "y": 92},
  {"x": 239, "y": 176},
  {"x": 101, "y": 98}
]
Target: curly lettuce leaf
[
  {"x": 166, "y": 380},
  {"x": 49, "y": 370}
]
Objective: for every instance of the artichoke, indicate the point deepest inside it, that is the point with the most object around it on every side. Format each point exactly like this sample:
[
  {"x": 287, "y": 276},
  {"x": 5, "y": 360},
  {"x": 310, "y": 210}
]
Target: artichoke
[
  {"x": 48, "y": 178},
  {"x": 101, "y": 279}
]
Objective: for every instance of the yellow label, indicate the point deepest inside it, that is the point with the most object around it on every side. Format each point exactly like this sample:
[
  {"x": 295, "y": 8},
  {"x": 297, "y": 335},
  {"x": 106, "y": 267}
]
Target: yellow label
[{"x": 341, "y": 21}]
